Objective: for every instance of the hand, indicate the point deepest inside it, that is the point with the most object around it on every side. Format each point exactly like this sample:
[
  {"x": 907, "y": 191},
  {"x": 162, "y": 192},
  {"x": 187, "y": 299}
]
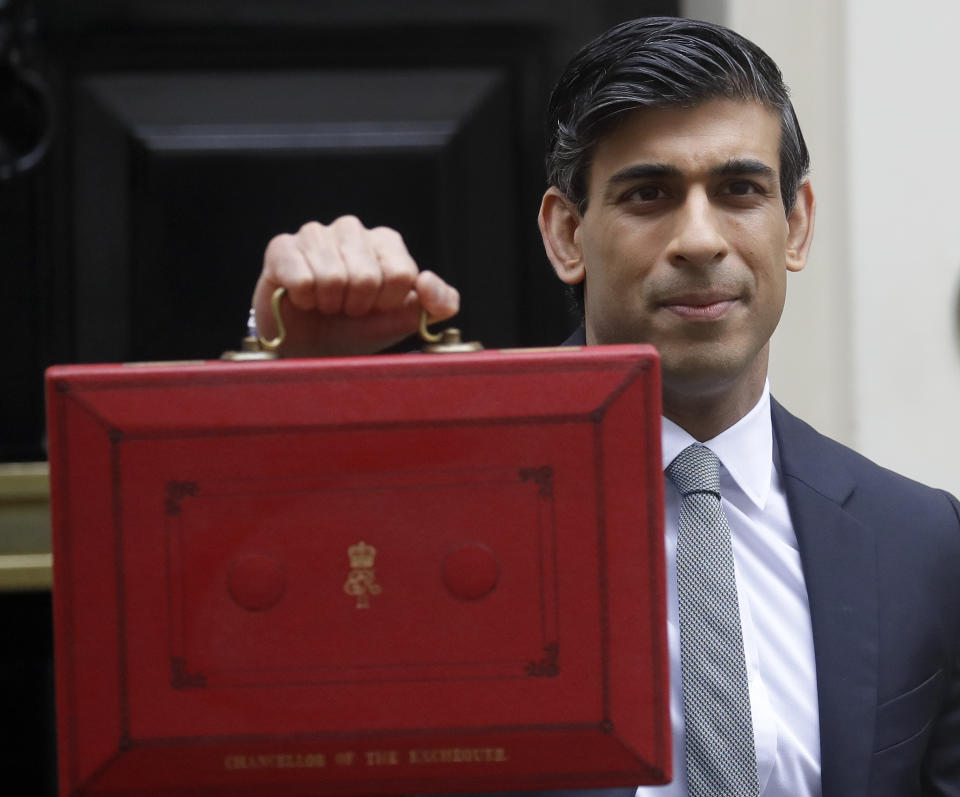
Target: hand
[{"x": 350, "y": 290}]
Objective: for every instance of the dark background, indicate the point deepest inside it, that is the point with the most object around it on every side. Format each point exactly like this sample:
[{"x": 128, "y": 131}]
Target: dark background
[{"x": 182, "y": 135}]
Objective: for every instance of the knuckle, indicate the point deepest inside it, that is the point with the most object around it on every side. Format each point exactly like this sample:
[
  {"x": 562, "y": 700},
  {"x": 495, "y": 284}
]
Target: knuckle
[
  {"x": 348, "y": 223},
  {"x": 279, "y": 245},
  {"x": 388, "y": 235},
  {"x": 396, "y": 276},
  {"x": 311, "y": 228},
  {"x": 332, "y": 280},
  {"x": 300, "y": 285},
  {"x": 366, "y": 281}
]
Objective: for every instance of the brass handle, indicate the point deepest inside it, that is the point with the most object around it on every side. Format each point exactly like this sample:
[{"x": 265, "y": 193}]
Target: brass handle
[
  {"x": 426, "y": 334},
  {"x": 446, "y": 342},
  {"x": 277, "y": 342},
  {"x": 254, "y": 347}
]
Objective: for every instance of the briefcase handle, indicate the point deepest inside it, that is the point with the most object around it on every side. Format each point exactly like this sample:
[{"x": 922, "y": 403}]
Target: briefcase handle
[
  {"x": 255, "y": 347},
  {"x": 448, "y": 341}
]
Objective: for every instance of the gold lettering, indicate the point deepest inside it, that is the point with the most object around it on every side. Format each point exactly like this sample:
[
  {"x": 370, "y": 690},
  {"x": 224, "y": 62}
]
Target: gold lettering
[
  {"x": 276, "y": 761},
  {"x": 372, "y": 758},
  {"x": 457, "y": 755},
  {"x": 379, "y": 758}
]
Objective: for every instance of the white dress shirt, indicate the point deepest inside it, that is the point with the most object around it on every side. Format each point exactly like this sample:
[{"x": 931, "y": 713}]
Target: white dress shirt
[{"x": 774, "y": 612}]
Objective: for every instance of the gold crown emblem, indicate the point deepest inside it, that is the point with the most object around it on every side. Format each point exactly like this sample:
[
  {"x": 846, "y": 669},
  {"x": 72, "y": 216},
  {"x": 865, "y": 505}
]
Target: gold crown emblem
[{"x": 361, "y": 554}]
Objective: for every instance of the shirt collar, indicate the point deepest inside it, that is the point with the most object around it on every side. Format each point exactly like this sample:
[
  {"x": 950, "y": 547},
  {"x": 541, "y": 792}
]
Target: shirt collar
[{"x": 745, "y": 449}]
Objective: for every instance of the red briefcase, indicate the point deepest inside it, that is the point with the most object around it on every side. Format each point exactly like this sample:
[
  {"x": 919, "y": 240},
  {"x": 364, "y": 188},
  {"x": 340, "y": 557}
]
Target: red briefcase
[{"x": 380, "y": 575}]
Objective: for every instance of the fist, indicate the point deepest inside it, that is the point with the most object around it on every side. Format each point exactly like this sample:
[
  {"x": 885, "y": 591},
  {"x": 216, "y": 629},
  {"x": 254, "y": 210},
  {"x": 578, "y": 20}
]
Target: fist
[{"x": 350, "y": 290}]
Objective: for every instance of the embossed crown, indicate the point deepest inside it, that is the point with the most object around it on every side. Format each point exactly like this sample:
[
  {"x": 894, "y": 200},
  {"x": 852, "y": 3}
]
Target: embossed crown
[{"x": 361, "y": 554}]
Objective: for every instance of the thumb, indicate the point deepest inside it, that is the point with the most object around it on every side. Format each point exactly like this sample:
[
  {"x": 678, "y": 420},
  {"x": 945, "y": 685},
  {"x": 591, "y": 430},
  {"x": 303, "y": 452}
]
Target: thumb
[{"x": 440, "y": 300}]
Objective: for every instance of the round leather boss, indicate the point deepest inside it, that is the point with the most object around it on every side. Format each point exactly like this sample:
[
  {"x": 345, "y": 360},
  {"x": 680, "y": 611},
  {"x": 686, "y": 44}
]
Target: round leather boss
[
  {"x": 256, "y": 582},
  {"x": 471, "y": 571}
]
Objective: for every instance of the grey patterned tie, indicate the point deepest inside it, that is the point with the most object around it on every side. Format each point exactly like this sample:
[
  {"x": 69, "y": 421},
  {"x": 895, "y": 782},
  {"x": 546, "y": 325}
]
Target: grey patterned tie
[{"x": 721, "y": 757}]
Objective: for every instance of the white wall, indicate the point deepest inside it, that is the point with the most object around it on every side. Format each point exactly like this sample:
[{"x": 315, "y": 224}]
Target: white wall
[
  {"x": 904, "y": 166},
  {"x": 868, "y": 350}
]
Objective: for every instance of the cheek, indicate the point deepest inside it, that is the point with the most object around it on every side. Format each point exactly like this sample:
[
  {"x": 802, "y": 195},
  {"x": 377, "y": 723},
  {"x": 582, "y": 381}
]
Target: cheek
[
  {"x": 601, "y": 260},
  {"x": 623, "y": 253},
  {"x": 764, "y": 248}
]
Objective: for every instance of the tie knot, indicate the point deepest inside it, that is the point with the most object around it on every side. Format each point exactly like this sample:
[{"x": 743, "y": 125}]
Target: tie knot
[{"x": 695, "y": 469}]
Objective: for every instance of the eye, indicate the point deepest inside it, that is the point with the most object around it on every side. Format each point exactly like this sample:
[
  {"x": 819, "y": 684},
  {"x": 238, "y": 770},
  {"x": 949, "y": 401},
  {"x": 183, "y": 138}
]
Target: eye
[
  {"x": 645, "y": 193},
  {"x": 741, "y": 188}
]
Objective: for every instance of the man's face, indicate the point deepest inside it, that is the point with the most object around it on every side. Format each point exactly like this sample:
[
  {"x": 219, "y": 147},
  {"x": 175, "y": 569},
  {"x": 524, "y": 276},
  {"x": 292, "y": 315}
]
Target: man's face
[{"x": 685, "y": 243}]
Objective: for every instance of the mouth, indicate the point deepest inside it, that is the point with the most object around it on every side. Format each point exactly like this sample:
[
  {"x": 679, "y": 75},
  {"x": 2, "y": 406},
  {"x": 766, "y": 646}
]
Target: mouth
[{"x": 700, "y": 306}]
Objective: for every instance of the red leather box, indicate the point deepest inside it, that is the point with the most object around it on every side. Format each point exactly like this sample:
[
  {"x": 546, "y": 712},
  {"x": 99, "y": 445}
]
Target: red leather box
[{"x": 381, "y": 575}]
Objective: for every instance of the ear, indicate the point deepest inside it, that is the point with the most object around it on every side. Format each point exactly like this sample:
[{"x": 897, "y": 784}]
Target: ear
[
  {"x": 800, "y": 227},
  {"x": 560, "y": 227}
]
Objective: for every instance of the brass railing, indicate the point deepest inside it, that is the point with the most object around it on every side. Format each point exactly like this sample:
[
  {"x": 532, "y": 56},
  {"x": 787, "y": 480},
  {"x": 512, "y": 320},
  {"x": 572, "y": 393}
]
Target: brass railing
[{"x": 25, "y": 558}]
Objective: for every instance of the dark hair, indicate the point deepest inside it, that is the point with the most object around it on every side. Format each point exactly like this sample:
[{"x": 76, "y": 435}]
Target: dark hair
[{"x": 656, "y": 62}]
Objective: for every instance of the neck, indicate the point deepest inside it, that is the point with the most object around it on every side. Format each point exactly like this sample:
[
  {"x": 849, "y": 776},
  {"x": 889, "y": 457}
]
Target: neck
[{"x": 703, "y": 413}]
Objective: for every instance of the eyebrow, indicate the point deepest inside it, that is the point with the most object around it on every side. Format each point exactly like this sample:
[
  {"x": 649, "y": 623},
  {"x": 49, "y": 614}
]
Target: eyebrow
[
  {"x": 733, "y": 166},
  {"x": 743, "y": 166},
  {"x": 642, "y": 171}
]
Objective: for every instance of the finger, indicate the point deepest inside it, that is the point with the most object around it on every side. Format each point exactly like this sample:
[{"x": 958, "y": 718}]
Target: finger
[
  {"x": 364, "y": 276},
  {"x": 440, "y": 300},
  {"x": 319, "y": 248},
  {"x": 262, "y": 310},
  {"x": 397, "y": 267},
  {"x": 284, "y": 264}
]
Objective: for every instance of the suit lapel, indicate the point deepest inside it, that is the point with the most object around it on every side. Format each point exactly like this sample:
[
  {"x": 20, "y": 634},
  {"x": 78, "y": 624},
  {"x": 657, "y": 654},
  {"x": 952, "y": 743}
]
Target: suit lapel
[
  {"x": 839, "y": 563},
  {"x": 577, "y": 338}
]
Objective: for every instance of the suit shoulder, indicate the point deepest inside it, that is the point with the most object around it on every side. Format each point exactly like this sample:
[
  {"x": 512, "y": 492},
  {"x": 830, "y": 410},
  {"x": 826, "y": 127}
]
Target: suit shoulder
[{"x": 843, "y": 474}]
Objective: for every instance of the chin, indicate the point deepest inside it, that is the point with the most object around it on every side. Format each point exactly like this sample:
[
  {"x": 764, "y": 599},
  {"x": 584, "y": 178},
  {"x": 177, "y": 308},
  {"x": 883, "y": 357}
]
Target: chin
[
  {"x": 613, "y": 333},
  {"x": 702, "y": 375}
]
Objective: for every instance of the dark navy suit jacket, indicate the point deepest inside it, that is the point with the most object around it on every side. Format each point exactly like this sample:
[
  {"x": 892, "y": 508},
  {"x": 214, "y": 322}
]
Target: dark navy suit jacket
[{"x": 881, "y": 558}]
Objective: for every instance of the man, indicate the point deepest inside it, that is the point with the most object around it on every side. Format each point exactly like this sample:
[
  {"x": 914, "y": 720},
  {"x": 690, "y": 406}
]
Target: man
[{"x": 677, "y": 204}]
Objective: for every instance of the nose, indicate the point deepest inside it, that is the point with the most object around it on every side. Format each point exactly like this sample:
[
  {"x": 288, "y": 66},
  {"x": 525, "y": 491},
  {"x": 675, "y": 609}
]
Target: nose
[{"x": 697, "y": 239}]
